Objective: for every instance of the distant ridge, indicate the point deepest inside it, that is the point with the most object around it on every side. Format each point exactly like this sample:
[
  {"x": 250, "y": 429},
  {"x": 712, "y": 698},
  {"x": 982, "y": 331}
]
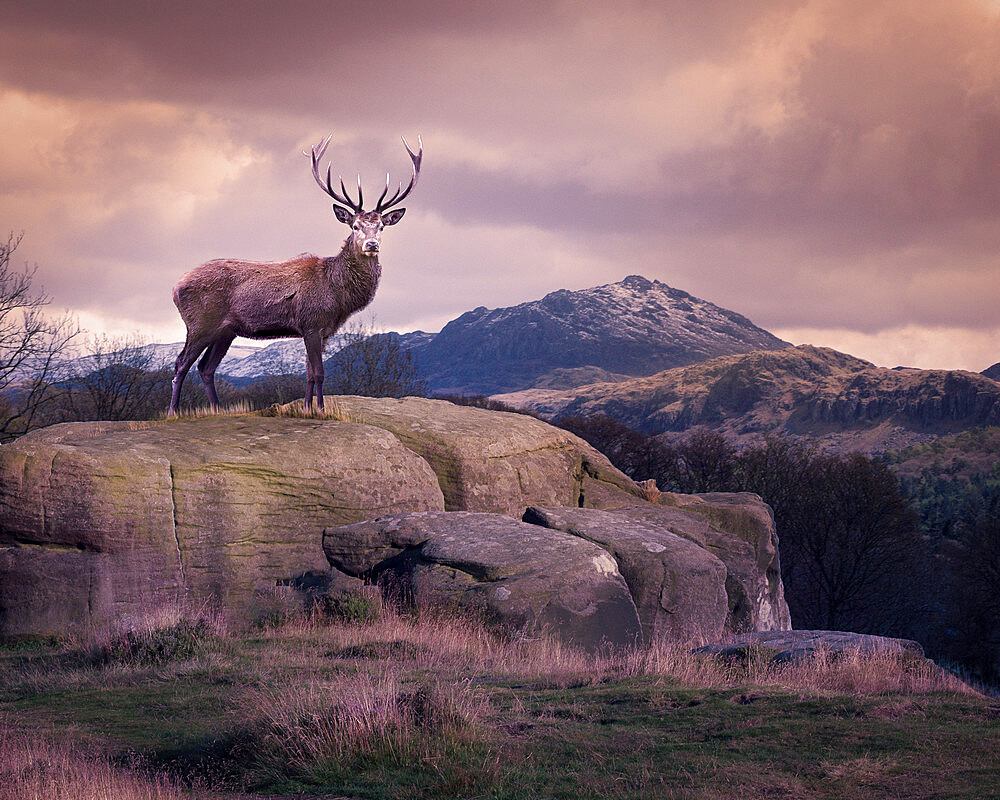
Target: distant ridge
[
  {"x": 634, "y": 327},
  {"x": 844, "y": 402}
]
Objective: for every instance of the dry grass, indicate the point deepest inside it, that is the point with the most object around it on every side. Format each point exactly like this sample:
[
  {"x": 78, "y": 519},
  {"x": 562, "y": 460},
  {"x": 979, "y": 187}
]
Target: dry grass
[
  {"x": 462, "y": 648},
  {"x": 353, "y": 716},
  {"x": 34, "y": 769},
  {"x": 319, "y": 698},
  {"x": 239, "y": 408},
  {"x": 295, "y": 410}
]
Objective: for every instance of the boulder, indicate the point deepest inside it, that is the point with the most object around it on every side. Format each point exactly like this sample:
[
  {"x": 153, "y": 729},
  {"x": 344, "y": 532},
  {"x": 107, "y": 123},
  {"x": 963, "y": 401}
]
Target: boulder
[
  {"x": 101, "y": 520},
  {"x": 679, "y": 588},
  {"x": 787, "y": 646},
  {"x": 742, "y": 534},
  {"x": 525, "y": 576},
  {"x": 495, "y": 461},
  {"x": 104, "y": 520}
]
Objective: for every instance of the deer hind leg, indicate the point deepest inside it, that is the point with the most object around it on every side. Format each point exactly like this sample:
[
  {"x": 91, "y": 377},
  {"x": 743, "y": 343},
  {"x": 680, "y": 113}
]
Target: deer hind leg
[
  {"x": 210, "y": 362},
  {"x": 188, "y": 355},
  {"x": 314, "y": 371}
]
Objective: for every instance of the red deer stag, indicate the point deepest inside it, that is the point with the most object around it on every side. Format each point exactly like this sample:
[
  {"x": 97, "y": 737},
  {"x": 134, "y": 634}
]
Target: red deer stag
[{"x": 307, "y": 296}]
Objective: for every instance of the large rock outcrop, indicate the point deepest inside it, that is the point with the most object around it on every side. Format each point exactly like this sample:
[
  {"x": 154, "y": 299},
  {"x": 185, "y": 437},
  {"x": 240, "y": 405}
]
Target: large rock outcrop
[
  {"x": 495, "y": 461},
  {"x": 102, "y": 519},
  {"x": 529, "y": 578}
]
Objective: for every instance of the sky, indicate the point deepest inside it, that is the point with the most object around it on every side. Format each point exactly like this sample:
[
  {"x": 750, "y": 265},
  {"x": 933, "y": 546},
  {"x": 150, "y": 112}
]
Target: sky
[{"x": 829, "y": 169}]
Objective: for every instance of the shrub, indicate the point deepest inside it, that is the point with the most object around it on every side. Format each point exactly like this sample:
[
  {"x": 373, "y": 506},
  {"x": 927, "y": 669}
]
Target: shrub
[
  {"x": 152, "y": 644},
  {"x": 311, "y": 732},
  {"x": 351, "y": 607}
]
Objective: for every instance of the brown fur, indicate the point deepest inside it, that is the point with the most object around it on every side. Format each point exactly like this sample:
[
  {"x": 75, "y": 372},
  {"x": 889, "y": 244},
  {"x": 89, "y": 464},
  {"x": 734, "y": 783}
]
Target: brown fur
[{"x": 307, "y": 296}]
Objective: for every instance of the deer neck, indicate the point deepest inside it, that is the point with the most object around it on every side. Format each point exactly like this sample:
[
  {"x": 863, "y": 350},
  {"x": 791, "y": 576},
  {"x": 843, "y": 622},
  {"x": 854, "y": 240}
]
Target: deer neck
[{"x": 359, "y": 274}]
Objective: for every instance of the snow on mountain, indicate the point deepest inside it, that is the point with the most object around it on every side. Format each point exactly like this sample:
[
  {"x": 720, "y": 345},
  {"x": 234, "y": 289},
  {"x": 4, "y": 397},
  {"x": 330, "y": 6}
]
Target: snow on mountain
[{"x": 152, "y": 357}]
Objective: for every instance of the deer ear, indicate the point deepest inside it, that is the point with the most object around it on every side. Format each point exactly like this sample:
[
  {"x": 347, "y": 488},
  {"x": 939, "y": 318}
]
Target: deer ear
[
  {"x": 345, "y": 216},
  {"x": 394, "y": 216}
]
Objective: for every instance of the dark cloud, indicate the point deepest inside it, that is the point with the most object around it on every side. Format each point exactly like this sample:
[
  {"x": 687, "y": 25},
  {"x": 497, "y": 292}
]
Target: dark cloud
[{"x": 812, "y": 165}]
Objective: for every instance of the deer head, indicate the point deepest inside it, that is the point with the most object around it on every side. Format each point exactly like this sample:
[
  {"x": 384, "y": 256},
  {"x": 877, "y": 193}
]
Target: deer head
[{"x": 366, "y": 226}]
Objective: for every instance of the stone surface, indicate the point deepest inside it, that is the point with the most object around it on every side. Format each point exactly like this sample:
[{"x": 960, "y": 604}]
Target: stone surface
[
  {"x": 495, "y": 461},
  {"x": 679, "y": 588},
  {"x": 98, "y": 520},
  {"x": 530, "y": 578},
  {"x": 715, "y": 528},
  {"x": 104, "y": 520},
  {"x": 741, "y": 532},
  {"x": 786, "y": 646}
]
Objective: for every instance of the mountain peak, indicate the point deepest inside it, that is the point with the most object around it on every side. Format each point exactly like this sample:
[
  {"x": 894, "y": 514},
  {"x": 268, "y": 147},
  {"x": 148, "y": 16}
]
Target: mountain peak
[
  {"x": 633, "y": 327},
  {"x": 638, "y": 283}
]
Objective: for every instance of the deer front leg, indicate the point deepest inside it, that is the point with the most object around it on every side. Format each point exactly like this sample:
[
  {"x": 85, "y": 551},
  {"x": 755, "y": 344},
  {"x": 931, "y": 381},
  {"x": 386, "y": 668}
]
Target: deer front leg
[
  {"x": 314, "y": 370},
  {"x": 188, "y": 355},
  {"x": 210, "y": 362}
]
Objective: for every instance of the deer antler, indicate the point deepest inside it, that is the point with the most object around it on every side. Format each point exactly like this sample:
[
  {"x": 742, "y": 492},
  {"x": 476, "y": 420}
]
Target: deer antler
[
  {"x": 318, "y": 150},
  {"x": 344, "y": 198},
  {"x": 398, "y": 197}
]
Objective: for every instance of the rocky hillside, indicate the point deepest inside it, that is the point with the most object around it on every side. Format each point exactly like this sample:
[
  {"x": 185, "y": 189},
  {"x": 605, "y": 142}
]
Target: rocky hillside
[
  {"x": 633, "y": 327},
  {"x": 844, "y": 402},
  {"x": 992, "y": 372}
]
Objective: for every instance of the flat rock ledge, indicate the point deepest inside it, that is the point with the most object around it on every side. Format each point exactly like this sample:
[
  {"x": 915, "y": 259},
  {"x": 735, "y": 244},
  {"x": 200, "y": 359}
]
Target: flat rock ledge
[{"x": 783, "y": 647}]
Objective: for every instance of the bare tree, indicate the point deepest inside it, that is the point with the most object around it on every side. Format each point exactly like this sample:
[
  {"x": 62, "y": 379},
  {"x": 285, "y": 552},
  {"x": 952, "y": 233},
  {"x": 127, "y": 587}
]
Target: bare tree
[
  {"x": 32, "y": 345},
  {"x": 373, "y": 364},
  {"x": 117, "y": 379},
  {"x": 851, "y": 553}
]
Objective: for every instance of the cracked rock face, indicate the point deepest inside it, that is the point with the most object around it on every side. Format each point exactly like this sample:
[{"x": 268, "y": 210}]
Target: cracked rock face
[
  {"x": 531, "y": 579},
  {"x": 687, "y": 575},
  {"x": 702, "y": 567},
  {"x": 679, "y": 587}
]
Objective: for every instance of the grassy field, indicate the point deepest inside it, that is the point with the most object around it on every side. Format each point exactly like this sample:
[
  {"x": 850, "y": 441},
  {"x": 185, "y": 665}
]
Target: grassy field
[{"x": 383, "y": 705}]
